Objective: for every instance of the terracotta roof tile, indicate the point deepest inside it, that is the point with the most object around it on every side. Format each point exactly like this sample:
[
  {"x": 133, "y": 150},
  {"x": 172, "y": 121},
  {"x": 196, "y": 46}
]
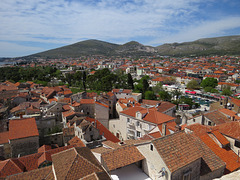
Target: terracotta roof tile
[
  {"x": 103, "y": 130},
  {"x": 229, "y": 113},
  {"x": 75, "y": 163},
  {"x": 87, "y": 101},
  {"x": 175, "y": 148},
  {"x": 9, "y": 167},
  {"x": 231, "y": 129},
  {"x": 128, "y": 91},
  {"x": 111, "y": 144},
  {"x": 121, "y": 157},
  {"x": 220, "y": 137},
  {"x": 4, "y": 136},
  {"x": 37, "y": 174},
  {"x": 216, "y": 117},
  {"x": 77, "y": 142},
  {"x": 150, "y": 115},
  {"x": 44, "y": 148},
  {"x": 228, "y": 156},
  {"x": 22, "y": 128}
]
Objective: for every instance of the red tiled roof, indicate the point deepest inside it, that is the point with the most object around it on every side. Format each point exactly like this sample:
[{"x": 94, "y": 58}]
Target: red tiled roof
[
  {"x": 101, "y": 104},
  {"x": 127, "y": 91},
  {"x": 228, "y": 156},
  {"x": 66, "y": 107},
  {"x": 4, "y": 136},
  {"x": 87, "y": 101},
  {"x": 77, "y": 142},
  {"x": 121, "y": 157},
  {"x": 199, "y": 129},
  {"x": 22, "y": 128},
  {"x": 68, "y": 113},
  {"x": 236, "y": 101},
  {"x": 9, "y": 167},
  {"x": 155, "y": 135},
  {"x": 216, "y": 117},
  {"x": 150, "y": 115},
  {"x": 229, "y": 113},
  {"x": 44, "y": 148},
  {"x": 231, "y": 129},
  {"x": 175, "y": 148},
  {"x": 103, "y": 130},
  {"x": 220, "y": 137}
]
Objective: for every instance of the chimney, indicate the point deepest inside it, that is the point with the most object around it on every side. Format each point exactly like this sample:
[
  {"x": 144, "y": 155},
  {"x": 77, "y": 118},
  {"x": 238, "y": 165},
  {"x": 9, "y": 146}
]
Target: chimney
[{"x": 164, "y": 129}]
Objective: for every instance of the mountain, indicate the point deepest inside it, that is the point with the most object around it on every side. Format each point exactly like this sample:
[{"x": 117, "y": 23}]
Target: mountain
[
  {"x": 228, "y": 45},
  {"x": 96, "y": 47}
]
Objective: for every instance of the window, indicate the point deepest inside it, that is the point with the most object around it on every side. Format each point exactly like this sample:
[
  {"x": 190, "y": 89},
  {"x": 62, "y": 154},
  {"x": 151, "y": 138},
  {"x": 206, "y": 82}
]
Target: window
[
  {"x": 138, "y": 134},
  {"x": 209, "y": 123},
  {"x": 151, "y": 147},
  {"x": 187, "y": 176},
  {"x": 138, "y": 123},
  {"x": 114, "y": 125},
  {"x": 128, "y": 120}
]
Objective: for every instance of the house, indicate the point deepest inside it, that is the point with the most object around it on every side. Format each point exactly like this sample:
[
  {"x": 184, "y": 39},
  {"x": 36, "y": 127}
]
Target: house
[
  {"x": 65, "y": 163},
  {"x": 120, "y": 157},
  {"x": 222, "y": 145},
  {"x": 126, "y": 93},
  {"x": 5, "y": 148},
  {"x": 93, "y": 109},
  {"x": 90, "y": 131},
  {"x": 137, "y": 121},
  {"x": 168, "y": 157},
  {"x": 213, "y": 118},
  {"x": 227, "y": 103},
  {"x": 23, "y": 137},
  {"x": 162, "y": 106}
]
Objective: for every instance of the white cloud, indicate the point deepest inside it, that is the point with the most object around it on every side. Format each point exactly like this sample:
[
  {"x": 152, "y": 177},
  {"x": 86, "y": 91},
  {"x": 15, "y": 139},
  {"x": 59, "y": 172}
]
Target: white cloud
[
  {"x": 66, "y": 22},
  {"x": 201, "y": 30}
]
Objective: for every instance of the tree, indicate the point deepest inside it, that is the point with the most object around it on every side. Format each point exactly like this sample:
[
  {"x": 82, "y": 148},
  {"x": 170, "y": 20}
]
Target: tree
[
  {"x": 157, "y": 88},
  {"x": 165, "y": 96},
  {"x": 208, "y": 89},
  {"x": 177, "y": 93},
  {"x": 130, "y": 81},
  {"x": 227, "y": 91},
  {"x": 193, "y": 84},
  {"x": 84, "y": 80},
  {"x": 209, "y": 82},
  {"x": 237, "y": 81},
  {"x": 150, "y": 95},
  {"x": 145, "y": 85}
]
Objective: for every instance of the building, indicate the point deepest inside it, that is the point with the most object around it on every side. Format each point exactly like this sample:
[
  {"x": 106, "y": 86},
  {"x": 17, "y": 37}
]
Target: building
[
  {"x": 169, "y": 157},
  {"x": 23, "y": 137},
  {"x": 135, "y": 122}
]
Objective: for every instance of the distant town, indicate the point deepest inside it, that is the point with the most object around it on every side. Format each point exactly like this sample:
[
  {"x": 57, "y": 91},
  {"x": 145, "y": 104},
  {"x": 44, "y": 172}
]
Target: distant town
[{"x": 99, "y": 117}]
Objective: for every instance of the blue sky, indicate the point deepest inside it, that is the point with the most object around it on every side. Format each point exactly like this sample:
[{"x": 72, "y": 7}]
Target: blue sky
[{"x": 31, "y": 26}]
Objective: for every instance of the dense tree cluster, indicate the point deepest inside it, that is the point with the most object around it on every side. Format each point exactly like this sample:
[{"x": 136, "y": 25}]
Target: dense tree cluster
[{"x": 28, "y": 74}]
